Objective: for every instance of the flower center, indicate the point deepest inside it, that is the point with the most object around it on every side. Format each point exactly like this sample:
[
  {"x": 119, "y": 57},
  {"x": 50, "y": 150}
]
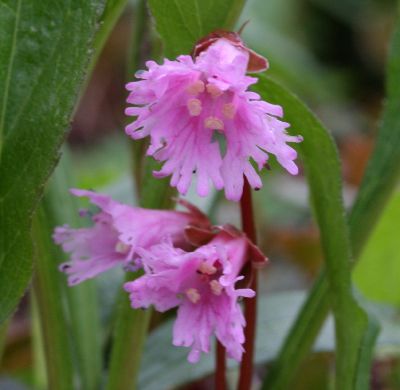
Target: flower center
[
  {"x": 205, "y": 100},
  {"x": 208, "y": 275}
]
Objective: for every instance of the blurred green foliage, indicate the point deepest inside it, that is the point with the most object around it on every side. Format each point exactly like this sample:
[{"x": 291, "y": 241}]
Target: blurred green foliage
[{"x": 377, "y": 274}]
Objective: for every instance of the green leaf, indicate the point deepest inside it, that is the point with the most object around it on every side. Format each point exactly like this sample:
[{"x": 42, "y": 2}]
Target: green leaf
[
  {"x": 377, "y": 272},
  {"x": 322, "y": 169},
  {"x": 166, "y": 366},
  {"x": 378, "y": 183},
  {"x": 45, "y": 49},
  {"x": 182, "y": 22},
  {"x": 48, "y": 292}
]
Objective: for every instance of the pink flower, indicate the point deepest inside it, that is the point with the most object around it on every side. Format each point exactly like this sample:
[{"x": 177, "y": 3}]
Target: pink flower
[
  {"x": 117, "y": 234},
  {"x": 189, "y": 107},
  {"x": 202, "y": 285}
]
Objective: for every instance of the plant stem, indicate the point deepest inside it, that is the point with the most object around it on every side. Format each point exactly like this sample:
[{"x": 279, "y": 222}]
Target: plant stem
[
  {"x": 129, "y": 337},
  {"x": 220, "y": 363},
  {"x": 39, "y": 361},
  {"x": 48, "y": 294},
  {"x": 250, "y": 311}
]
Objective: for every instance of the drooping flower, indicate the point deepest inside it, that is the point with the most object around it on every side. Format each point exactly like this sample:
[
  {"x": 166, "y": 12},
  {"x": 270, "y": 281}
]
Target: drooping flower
[
  {"x": 194, "y": 109},
  {"x": 202, "y": 284},
  {"x": 117, "y": 234}
]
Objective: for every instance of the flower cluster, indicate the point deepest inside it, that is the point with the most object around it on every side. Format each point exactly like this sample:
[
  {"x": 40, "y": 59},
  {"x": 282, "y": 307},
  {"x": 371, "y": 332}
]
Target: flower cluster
[
  {"x": 178, "y": 271},
  {"x": 201, "y": 118},
  {"x": 202, "y": 284}
]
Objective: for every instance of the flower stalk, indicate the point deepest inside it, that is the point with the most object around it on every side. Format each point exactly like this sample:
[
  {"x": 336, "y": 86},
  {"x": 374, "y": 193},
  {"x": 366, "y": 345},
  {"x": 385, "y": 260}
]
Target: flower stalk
[
  {"x": 250, "y": 311},
  {"x": 220, "y": 367}
]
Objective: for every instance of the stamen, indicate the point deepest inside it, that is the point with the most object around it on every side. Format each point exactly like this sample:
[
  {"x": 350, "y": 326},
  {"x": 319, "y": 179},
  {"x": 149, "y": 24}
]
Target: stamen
[
  {"x": 194, "y": 107},
  {"x": 207, "y": 269},
  {"x": 121, "y": 247},
  {"x": 193, "y": 295},
  {"x": 214, "y": 123},
  {"x": 213, "y": 90},
  {"x": 229, "y": 110},
  {"x": 195, "y": 88},
  {"x": 216, "y": 287}
]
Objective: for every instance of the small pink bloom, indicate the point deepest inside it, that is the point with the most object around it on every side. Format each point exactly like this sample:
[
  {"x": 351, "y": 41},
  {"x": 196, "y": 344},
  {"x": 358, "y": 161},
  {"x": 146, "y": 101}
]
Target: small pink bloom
[
  {"x": 202, "y": 285},
  {"x": 186, "y": 105},
  {"x": 117, "y": 234}
]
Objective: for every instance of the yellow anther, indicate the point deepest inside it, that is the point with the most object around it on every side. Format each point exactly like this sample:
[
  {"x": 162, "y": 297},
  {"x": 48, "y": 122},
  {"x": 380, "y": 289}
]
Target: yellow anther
[
  {"x": 212, "y": 122},
  {"x": 194, "y": 107},
  {"x": 229, "y": 110},
  {"x": 207, "y": 269},
  {"x": 195, "y": 88},
  {"x": 216, "y": 287},
  {"x": 213, "y": 90},
  {"x": 193, "y": 295},
  {"x": 121, "y": 247}
]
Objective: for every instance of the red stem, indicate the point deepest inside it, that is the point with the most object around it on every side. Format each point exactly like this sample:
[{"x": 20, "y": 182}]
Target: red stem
[
  {"x": 250, "y": 309},
  {"x": 220, "y": 378}
]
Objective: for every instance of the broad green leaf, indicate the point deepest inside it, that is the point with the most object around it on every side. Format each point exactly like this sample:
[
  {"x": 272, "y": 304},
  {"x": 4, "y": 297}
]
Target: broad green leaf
[
  {"x": 182, "y": 22},
  {"x": 166, "y": 366},
  {"x": 322, "y": 169},
  {"x": 377, "y": 272},
  {"x": 378, "y": 183},
  {"x": 44, "y": 51}
]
